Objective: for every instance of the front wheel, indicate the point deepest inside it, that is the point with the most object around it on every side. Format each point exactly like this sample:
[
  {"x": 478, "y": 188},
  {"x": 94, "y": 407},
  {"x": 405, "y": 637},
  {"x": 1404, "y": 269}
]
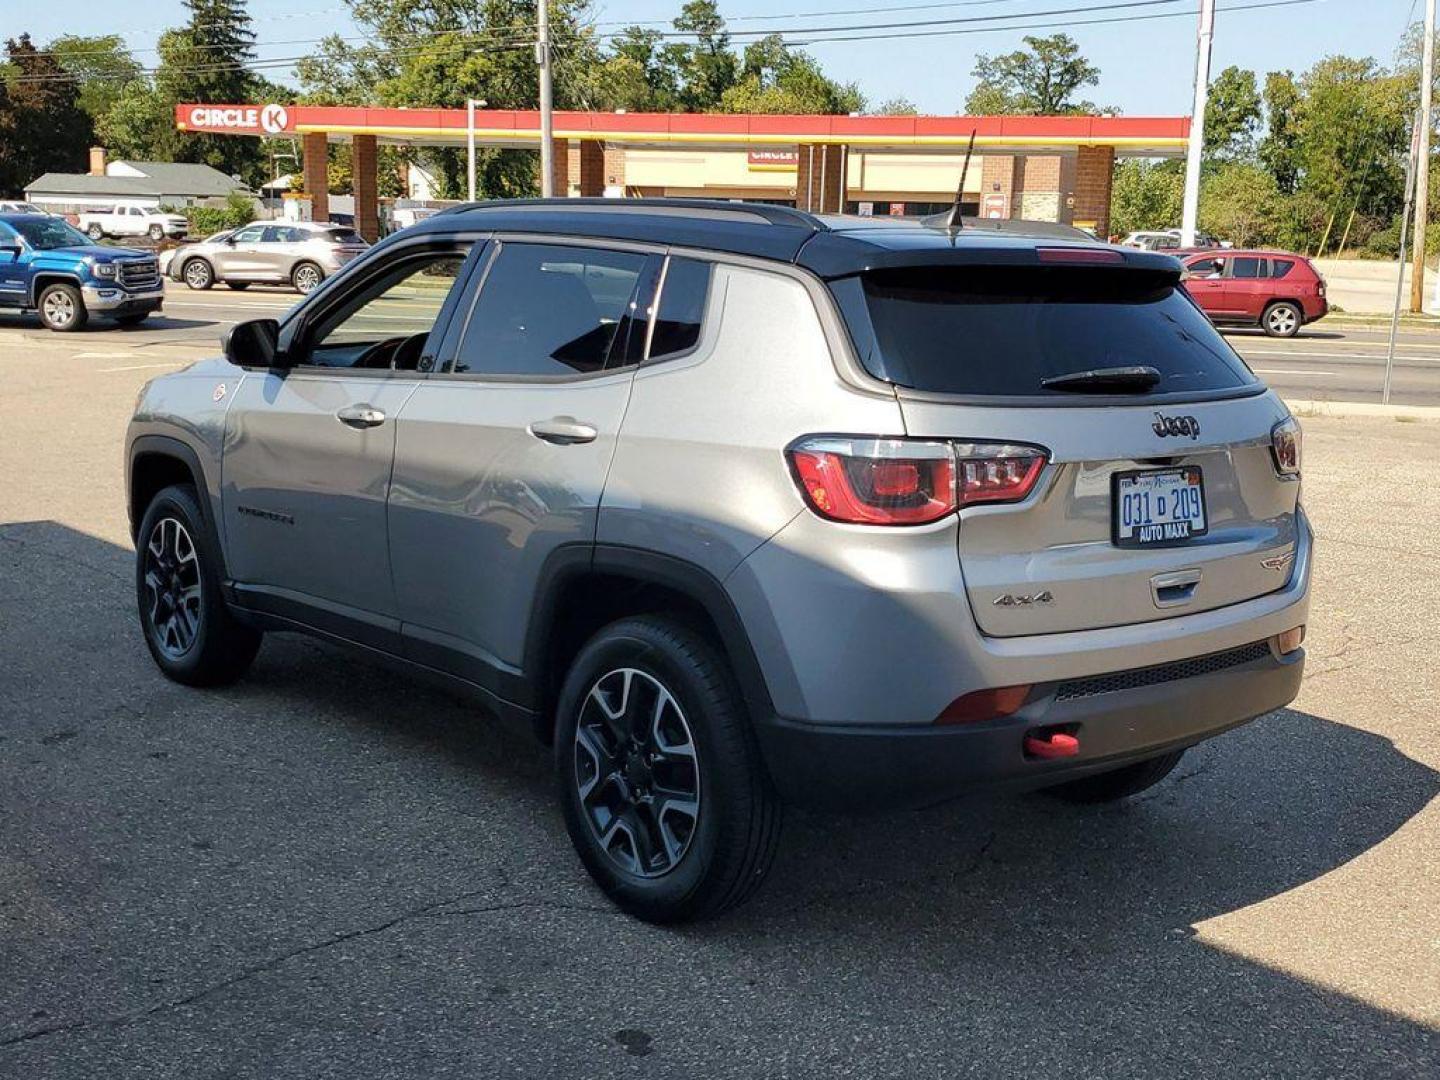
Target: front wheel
[
  {"x": 188, "y": 629},
  {"x": 157, "y": 233},
  {"x": 1282, "y": 320},
  {"x": 198, "y": 274},
  {"x": 1118, "y": 783},
  {"x": 62, "y": 308},
  {"x": 664, "y": 794}
]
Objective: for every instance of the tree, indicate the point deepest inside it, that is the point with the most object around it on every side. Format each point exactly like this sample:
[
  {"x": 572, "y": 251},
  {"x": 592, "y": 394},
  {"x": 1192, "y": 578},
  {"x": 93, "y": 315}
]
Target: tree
[
  {"x": 1232, "y": 116},
  {"x": 1242, "y": 203},
  {"x": 708, "y": 67},
  {"x": 897, "y": 106},
  {"x": 1146, "y": 195},
  {"x": 42, "y": 127},
  {"x": 775, "y": 79},
  {"x": 1277, "y": 149},
  {"x": 102, "y": 67},
  {"x": 1039, "y": 80}
]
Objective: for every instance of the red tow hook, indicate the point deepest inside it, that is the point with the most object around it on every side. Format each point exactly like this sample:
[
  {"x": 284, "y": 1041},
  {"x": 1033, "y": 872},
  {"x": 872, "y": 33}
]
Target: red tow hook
[{"x": 1051, "y": 744}]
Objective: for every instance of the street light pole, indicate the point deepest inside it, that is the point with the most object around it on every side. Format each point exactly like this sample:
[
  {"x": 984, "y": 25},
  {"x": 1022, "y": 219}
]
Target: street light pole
[
  {"x": 1422, "y": 161},
  {"x": 1191, "y": 212},
  {"x": 470, "y": 146},
  {"x": 542, "y": 57},
  {"x": 1410, "y": 170}
]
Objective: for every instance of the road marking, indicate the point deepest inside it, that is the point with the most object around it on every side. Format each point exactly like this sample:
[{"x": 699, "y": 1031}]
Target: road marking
[
  {"x": 143, "y": 367},
  {"x": 1335, "y": 355},
  {"x": 1293, "y": 371},
  {"x": 101, "y": 356}
]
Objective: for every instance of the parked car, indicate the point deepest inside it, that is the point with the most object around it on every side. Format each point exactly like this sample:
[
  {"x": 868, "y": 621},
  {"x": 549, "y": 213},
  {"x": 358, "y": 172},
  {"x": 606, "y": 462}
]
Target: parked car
[
  {"x": 1277, "y": 291},
  {"x": 49, "y": 267},
  {"x": 1152, "y": 241},
  {"x": 7, "y": 207},
  {"x": 299, "y": 254},
  {"x": 132, "y": 221},
  {"x": 740, "y": 506},
  {"x": 1202, "y": 239}
]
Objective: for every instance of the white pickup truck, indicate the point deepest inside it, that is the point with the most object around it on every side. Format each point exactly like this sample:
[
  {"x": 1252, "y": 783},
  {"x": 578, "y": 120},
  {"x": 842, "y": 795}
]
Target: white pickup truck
[{"x": 132, "y": 221}]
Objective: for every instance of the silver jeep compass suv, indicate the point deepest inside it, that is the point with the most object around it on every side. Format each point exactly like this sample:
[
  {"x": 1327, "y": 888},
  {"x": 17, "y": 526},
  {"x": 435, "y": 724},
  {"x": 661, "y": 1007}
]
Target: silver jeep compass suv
[{"x": 739, "y": 506}]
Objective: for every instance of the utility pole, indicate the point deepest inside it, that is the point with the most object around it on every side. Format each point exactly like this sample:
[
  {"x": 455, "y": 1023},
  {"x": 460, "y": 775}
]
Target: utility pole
[
  {"x": 1410, "y": 171},
  {"x": 542, "y": 57},
  {"x": 470, "y": 145},
  {"x": 1191, "y": 212},
  {"x": 1422, "y": 162}
]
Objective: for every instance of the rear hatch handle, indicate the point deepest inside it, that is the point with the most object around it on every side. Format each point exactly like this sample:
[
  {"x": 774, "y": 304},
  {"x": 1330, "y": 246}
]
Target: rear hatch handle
[{"x": 1176, "y": 588}]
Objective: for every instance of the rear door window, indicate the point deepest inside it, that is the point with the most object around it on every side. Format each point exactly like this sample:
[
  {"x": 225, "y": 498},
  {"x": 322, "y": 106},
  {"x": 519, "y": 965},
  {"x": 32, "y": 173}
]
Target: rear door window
[
  {"x": 548, "y": 310},
  {"x": 1247, "y": 266},
  {"x": 984, "y": 331}
]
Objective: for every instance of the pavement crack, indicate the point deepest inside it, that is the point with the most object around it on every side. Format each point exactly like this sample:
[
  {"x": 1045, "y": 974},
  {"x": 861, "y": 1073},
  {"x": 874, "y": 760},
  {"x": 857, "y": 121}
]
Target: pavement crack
[{"x": 430, "y": 910}]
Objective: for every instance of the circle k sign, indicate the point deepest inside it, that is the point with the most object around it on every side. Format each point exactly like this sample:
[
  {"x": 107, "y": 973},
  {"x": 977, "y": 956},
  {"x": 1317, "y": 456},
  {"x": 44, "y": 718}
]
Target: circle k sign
[
  {"x": 274, "y": 118},
  {"x": 270, "y": 119}
]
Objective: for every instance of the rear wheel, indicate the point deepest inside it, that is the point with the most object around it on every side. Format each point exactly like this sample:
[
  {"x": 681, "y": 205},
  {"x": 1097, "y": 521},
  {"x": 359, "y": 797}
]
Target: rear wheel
[
  {"x": 1282, "y": 319},
  {"x": 189, "y": 630},
  {"x": 95, "y": 232},
  {"x": 663, "y": 791},
  {"x": 1118, "y": 783},
  {"x": 62, "y": 308},
  {"x": 238, "y": 286},
  {"x": 157, "y": 232},
  {"x": 198, "y": 274},
  {"x": 306, "y": 277}
]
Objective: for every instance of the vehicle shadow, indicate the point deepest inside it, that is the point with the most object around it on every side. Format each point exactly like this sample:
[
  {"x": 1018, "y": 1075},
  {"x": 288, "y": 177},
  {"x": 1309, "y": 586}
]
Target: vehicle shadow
[
  {"x": 1014, "y": 931},
  {"x": 1256, "y": 332}
]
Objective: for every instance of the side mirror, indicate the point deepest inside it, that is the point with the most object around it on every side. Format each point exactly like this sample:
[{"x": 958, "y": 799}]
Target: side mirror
[
  {"x": 229, "y": 241},
  {"x": 13, "y": 250},
  {"x": 254, "y": 344}
]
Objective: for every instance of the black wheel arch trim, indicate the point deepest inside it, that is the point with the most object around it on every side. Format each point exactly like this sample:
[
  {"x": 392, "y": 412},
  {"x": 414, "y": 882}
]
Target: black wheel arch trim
[
  {"x": 168, "y": 446},
  {"x": 45, "y": 278},
  {"x": 568, "y": 565}
]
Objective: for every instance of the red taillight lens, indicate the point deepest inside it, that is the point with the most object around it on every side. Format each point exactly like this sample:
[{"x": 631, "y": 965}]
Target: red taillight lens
[
  {"x": 876, "y": 481},
  {"x": 996, "y": 472},
  {"x": 1286, "y": 444},
  {"x": 866, "y": 481},
  {"x": 1080, "y": 256},
  {"x": 984, "y": 705}
]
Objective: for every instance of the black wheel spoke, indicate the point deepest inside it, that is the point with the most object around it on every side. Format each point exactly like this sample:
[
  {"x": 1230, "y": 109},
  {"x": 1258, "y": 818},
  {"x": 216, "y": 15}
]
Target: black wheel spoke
[{"x": 171, "y": 576}]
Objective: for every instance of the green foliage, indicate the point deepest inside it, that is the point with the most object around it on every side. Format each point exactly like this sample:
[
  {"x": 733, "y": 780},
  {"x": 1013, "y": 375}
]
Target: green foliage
[
  {"x": 898, "y": 106},
  {"x": 42, "y": 127},
  {"x": 102, "y": 66},
  {"x": 1232, "y": 116},
  {"x": 1147, "y": 195},
  {"x": 204, "y": 220},
  {"x": 1039, "y": 80},
  {"x": 1240, "y": 202},
  {"x": 777, "y": 79}
]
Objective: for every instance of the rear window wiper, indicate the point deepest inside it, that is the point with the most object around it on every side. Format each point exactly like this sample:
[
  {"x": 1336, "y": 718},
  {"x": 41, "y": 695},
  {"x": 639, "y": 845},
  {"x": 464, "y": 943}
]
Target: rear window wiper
[{"x": 1110, "y": 380}]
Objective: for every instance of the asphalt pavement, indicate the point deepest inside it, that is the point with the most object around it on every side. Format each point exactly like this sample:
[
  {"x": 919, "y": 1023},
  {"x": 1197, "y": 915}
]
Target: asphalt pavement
[{"x": 329, "y": 870}]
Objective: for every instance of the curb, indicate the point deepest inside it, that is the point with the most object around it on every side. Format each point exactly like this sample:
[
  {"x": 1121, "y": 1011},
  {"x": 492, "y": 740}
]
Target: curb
[{"x": 1303, "y": 408}]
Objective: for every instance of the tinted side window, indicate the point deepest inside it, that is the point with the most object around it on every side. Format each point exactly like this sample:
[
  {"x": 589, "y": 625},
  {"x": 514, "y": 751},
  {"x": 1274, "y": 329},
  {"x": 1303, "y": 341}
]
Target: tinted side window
[
  {"x": 248, "y": 236},
  {"x": 1280, "y": 267},
  {"x": 548, "y": 310},
  {"x": 1207, "y": 268},
  {"x": 682, "y": 307},
  {"x": 1247, "y": 267}
]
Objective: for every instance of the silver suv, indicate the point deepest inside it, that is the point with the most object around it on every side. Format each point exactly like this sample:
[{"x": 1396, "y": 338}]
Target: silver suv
[
  {"x": 295, "y": 253},
  {"x": 738, "y": 506}
]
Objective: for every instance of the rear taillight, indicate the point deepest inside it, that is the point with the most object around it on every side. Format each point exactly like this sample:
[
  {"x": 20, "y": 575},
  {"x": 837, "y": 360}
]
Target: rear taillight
[
  {"x": 1286, "y": 442},
  {"x": 869, "y": 481}
]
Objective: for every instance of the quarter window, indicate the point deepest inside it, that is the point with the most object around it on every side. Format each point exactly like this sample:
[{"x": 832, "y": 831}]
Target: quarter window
[
  {"x": 1280, "y": 267},
  {"x": 549, "y": 310},
  {"x": 682, "y": 307}
]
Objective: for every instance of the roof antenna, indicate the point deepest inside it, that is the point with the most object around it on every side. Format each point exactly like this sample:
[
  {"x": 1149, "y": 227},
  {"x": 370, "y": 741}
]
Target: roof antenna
[{"x": 953, "y": 221}]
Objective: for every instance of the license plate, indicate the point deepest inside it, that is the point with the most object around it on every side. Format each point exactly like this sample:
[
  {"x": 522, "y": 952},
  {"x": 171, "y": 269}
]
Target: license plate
[{"x": 1158, "y": 507}]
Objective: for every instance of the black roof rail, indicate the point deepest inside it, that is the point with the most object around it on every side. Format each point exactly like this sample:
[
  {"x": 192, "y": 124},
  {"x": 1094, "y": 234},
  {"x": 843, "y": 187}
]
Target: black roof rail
[{"x": 757, "y": 213}]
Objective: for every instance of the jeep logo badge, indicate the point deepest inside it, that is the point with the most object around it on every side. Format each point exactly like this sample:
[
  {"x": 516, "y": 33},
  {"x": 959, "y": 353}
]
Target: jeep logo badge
[{"x": 1175, "y": 425}]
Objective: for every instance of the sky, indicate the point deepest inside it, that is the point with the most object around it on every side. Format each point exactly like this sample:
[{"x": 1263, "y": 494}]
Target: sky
[{"x": 1147, "y": 65}]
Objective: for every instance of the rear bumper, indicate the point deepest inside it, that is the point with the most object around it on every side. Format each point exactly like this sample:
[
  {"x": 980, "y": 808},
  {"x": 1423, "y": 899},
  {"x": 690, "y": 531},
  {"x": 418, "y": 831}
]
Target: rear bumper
[{"x": 839, "y": 767}]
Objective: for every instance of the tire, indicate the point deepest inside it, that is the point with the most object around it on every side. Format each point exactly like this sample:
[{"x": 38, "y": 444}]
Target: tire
[
  {"x": 305, "y": 277},
  {"x": 1118, "y": 783},
  {"x": 238, "y": 286},
  {"x": 1282, "y": 319},
  {"x": 157, "y": 233},
  {"x": 190, "y": 632},
  {"x": 62, "y": 308},
  {"x": 95, "y": 232},
  {"x": 133, "y": 319},
  {"x": 198, "y": 274},
  {"x": 709, "y": 844}
]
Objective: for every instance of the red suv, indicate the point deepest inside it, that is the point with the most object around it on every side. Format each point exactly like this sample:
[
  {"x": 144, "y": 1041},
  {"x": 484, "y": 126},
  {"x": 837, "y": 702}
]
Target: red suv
[{"x": 1274, "y": 290}]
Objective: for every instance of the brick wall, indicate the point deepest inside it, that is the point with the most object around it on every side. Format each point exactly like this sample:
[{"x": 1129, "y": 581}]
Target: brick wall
[
  {"x": 588, "y": 168},
  {"x": 316, "y": 154},
  {"x": 997, "y": 177},
  {"x": 1094, "y": 180},
  {"x": 365, "y": 180},
  {"x": 561, "y": 167},
  {"x": 818, "y": 178}
]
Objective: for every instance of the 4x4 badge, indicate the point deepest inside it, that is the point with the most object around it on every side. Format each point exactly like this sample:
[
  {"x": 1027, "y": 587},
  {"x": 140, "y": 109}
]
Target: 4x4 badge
[{"x": 1175, "y": 425}]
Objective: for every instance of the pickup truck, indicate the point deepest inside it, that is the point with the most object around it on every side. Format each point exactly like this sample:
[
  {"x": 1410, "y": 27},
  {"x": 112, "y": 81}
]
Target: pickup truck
[
  {"x": 132, "y": 221},
  {"x": 49, "y": 267}
]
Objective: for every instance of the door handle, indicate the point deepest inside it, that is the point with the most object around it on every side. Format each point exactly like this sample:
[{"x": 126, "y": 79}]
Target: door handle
[
  {"x": 563, "y": 431},
  {"x": 361, "y": 416}
]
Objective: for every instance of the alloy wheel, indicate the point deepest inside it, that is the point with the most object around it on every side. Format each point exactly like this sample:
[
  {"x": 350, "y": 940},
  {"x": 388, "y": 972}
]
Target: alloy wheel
[
  {"x": 306, "y": 278},
  {"x": 172, "y": 587},
  {"x": 1281, "y": 320},
  {"x": 58, "y": 307},
  {"x": 197, "y": 275},
  {"x": 637, "y": 773}
]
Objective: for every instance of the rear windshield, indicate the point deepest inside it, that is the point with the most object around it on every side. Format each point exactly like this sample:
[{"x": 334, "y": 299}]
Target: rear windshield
[
  {"x": 344, "y": 236},
  {"x": 1002, "y": 330}
]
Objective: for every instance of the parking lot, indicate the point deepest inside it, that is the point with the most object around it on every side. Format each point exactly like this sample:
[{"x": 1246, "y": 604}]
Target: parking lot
[{"x": 328, "y": 870}]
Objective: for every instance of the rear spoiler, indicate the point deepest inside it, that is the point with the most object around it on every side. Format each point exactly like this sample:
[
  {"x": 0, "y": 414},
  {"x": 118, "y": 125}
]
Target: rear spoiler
[{"x": 836, "y": 255}]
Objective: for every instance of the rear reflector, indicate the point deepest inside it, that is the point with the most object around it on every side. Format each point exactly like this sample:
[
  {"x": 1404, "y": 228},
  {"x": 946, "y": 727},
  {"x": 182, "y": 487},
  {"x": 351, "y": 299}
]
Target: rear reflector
[
  {"x": 1051, "y": 744},
  {"x": 984, "y": 705},
  {"x": 1080, "y": 256}
]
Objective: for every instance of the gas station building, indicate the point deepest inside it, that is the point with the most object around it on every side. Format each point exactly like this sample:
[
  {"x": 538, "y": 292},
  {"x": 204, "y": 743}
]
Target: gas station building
[{"x": 1048, "y": 168}]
